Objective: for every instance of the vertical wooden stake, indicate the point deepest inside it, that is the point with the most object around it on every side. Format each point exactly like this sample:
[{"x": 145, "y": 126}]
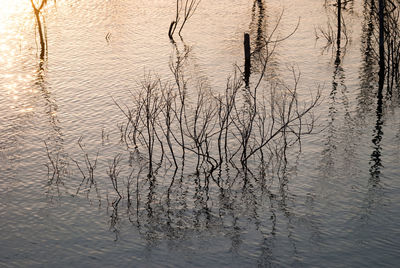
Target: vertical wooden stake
[
  {"x": 339, "y": 23},
  {"x": 246, "y": 58}
]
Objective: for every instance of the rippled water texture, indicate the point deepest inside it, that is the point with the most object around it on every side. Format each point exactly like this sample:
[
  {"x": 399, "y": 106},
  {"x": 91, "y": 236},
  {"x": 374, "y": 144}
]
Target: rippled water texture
[{"x": 335, "y": 203}]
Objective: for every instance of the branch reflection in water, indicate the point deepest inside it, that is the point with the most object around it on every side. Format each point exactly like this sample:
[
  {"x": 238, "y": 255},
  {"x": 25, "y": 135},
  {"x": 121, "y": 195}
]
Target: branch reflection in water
[
  {"x": 41, "y": 25},
  {"x": 58, "y": 164},
  {"x": 382, "y": 22},
  {"x": 334, "y": 34}
]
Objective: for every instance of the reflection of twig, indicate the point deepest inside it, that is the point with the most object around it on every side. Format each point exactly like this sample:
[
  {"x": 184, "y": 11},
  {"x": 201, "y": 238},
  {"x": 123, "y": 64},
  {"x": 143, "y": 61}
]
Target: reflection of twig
[
  {"x": 88, "y": 177},
  {"x": 57, "y": 167},
  {"x": 331, "y": 36},
  {"x": 327, "y": 33},
  {"x": 42, "y": 35},
  {"x": 113, "y": 173},
  {"x": 115, "y": 217}
]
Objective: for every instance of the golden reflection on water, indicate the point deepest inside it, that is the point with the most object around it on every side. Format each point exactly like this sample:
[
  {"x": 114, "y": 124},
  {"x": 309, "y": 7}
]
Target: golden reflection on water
[
  {"x": 16, "y": 66},
  {"x": 10, "y": 9},
  {"x": 13, "y": 16}
]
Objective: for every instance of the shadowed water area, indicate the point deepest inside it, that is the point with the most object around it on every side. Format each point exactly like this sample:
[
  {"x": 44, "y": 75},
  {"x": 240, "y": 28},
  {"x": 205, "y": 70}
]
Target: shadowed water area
[{"x": 303, "y": 171}]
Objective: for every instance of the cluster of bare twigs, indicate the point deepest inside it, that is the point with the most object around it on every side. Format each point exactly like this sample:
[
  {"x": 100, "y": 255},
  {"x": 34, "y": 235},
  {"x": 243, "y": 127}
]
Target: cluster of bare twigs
[
  {"x": 167, "y": 124},
  {"x": 197, "y": 136},
  {"x": 184, "y": 11}
]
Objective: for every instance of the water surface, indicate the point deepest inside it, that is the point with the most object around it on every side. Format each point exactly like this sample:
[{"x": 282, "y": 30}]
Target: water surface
[{"x": 335, "y": 203}]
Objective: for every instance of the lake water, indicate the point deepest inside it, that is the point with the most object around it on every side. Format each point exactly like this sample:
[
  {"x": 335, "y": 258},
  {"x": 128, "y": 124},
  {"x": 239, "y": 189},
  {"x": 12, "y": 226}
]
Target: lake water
[{"x": 334, "y": 203}]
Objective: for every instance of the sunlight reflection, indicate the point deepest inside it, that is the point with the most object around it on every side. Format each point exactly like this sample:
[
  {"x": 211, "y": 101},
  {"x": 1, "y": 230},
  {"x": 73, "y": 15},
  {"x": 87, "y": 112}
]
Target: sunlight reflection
[
  {"x": 10, "y": 8},
  {"x": 20, "y": 94},
  {"x": 12, "y": 17},
  {"x": 17, "y": 27}
]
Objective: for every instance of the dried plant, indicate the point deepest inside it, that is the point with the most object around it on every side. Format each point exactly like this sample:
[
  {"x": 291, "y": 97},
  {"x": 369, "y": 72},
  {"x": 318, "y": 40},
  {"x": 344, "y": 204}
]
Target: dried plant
[{"x": 184, "y": 11}]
